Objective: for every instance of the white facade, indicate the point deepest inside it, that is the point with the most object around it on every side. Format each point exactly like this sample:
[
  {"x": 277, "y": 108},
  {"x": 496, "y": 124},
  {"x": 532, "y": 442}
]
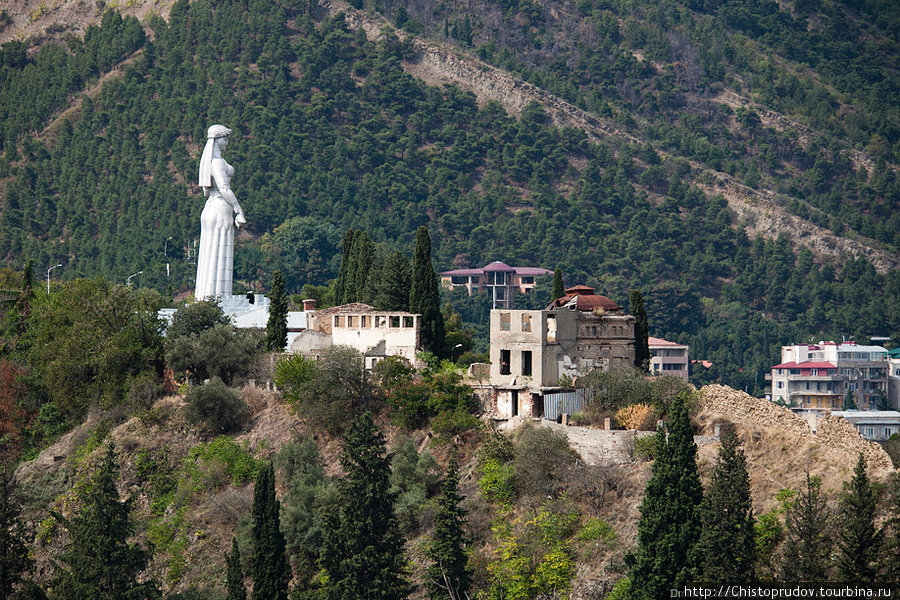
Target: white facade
[
  {"x": 875, "y": 425},
  {"x": 668, "y": 358},
  {"x": 819, "y": 376}
]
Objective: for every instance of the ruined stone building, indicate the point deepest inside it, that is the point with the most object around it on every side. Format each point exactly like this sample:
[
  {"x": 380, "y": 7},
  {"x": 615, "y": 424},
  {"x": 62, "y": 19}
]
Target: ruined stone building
[{"x": 531, "y": 350}]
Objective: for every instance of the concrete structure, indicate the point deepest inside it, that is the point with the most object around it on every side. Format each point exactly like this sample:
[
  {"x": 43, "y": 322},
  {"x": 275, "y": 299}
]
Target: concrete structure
[
  {"x": 532, "y": 349},
  {"x": 668, "y": 358},
  {"x": 500, "y": 280},
  {"x": 894, "y": 378},
  {"x": 818, "y": 376},
  {"x": 874, "y": 425},
  {"x": 374, "y": 333}
]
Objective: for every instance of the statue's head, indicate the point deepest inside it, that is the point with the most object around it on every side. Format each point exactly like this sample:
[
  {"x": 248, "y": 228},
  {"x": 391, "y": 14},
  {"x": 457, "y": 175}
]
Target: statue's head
[
  {"x": 217, "y": 131},
  {"x": 216, "y": 140}
]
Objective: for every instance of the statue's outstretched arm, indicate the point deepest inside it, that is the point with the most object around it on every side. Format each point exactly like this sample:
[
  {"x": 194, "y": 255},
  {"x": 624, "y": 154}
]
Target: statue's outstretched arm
[{"x": 223, "y": 183}]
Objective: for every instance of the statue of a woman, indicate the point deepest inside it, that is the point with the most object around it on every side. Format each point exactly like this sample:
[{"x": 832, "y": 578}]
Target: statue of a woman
[{"x": 221, "y": 215}]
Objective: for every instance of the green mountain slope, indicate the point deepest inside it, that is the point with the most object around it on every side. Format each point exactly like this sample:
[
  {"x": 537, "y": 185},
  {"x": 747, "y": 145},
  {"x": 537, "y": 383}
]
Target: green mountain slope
[{"x": 333, "y": 133}]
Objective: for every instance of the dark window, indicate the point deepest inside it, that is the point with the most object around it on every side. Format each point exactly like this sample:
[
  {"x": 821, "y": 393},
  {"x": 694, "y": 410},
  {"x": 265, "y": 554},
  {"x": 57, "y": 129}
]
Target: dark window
[
  {"x": 504, "y": 362},
  {"x": 526, "y": 362}
]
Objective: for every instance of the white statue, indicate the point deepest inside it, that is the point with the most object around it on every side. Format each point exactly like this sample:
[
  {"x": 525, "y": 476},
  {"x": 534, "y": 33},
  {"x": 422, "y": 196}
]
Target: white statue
[{"x": 221, "y": 215}]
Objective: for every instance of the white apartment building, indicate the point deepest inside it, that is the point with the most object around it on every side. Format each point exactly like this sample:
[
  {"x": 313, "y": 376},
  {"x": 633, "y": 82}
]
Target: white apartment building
[
  {"x": 819, "y": 376},
  {"x": 668, "y": 358}
]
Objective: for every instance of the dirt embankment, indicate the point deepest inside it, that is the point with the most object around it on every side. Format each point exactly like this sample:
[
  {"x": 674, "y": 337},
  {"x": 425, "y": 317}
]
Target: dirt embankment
[{"x": 780, "y": 446}]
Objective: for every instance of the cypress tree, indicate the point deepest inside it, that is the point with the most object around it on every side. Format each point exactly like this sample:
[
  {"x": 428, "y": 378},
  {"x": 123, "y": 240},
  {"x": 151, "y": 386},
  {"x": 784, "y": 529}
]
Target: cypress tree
[
  {"x": 669, "y": 526},
  {"x": 271, "y": 572},
  {"x": 726, "y": 549},
  {"x": 276, "y": 327},
  {"x": 424, "y": 297},
  {"x": 393, "y": 287},
  {"x": 362, "y": 553},
  {"x": 849, "y": 401},
  {"x": 641, "y": 331},
  {"x": 559, "y": 289},
  {"x": 234, "y": 576},
  {"x": 14, "y": 561},
  {"x": 890, "y": 559},
  {"x": 358, "y": 270},
  {"x": 808, "y": 545},
  {"x": 859, "y": 542},
  {"x": 99, "y": 563},
  {"x": 340, "y": 287},
  {"x": 448, "y": 574}
]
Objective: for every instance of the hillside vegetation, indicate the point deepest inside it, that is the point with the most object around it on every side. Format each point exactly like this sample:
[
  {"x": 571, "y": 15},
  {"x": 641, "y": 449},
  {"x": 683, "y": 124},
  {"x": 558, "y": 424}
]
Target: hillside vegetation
[{"x": 333, "y": 133}]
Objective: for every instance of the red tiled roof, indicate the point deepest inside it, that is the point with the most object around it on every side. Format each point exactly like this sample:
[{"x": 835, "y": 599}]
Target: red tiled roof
[
  {"x": 655, "y": 341},
  {"x": 582, "y": 297},
  {"x": 496, "y": 266},
  {"x": 805, "y": 365}
]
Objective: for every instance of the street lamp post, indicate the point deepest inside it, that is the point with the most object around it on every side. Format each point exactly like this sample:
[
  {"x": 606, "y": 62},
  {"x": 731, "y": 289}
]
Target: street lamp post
[
  {"x": 48, "y": 276},
  {"x": 452, "y": 352},
  {"x": 128, "y": 280},
  {"x": 166, "y": 254}
]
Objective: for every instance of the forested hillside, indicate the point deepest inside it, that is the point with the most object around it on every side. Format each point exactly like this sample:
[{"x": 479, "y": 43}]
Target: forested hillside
[{"x": 332, "y": 133}]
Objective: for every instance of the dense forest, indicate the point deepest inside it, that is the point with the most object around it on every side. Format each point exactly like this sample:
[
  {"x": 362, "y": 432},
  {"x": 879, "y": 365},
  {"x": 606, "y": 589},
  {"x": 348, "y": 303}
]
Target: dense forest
[{"x": 332, "y": 134}]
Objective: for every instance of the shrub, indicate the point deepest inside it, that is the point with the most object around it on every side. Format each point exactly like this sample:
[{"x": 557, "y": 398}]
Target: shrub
[
  {"x": 637, "y": 416},
  {"x": 542, "y": 460},
  {"x": 413, "y": 479},
  {"x": 450, "y": 423},
  {"x": 293, "y": 371},
  {"x": 496, "y": 446},
  {"x": 645, "y": 447},
  {"x": 596, "y": 529},
  {"x": 497, "y": 483},
  {"x": 215, "y": 407}
]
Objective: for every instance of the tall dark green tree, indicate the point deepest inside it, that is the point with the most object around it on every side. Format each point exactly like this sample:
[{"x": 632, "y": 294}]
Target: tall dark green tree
[
  {"x": 234, "y": 575},
  {"x": 340, "y": 286},
  {"x": 807, "y": 550},
  {"x": 448, "y": 575},
  {"x": 362, "y": 554},
  {"x": 559, "y": 289},
  {"x": 424, "y": 297},
  {"x": 670, "y": 525},
  {"x": 271, "y": 571},
  {"x": 393, "y": 287},
  {"x": 859, "y": 542},
  {"x": 276, "y": 327},
  {"x": 361, "y": 253},
  {"x": 726, "y": 549},
  {"x": 849, "y": 401},
  {"x": 98, "y": 562},
  {"x": 641, "y": 331},
  {"x": 14, "y": 560},
  {"x": 890, "y": 558}
]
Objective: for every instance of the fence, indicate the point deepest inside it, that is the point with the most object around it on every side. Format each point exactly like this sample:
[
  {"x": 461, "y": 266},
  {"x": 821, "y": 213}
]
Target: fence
[{"x": 566, "y": 402}]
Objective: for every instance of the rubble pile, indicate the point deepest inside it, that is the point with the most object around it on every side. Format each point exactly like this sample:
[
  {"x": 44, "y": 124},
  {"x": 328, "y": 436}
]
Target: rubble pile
[{"x": 839, "y": 432}]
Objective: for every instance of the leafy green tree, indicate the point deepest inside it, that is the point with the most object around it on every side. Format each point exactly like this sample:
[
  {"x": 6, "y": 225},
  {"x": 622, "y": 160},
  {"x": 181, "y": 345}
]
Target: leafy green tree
[
  {"x": 849, "y": 401},
  {"x": 271, "y": 571},
  {"x": 807, "y": 550},
  {"x": 234, "y": 575},
  {"x": 424, "y": 296},
  {"x": 641, "y": 331},
  {"x": 216, "y": 407},
  {"x": 97, "y": 561},
  {"x": 393, "y": 287},
  {"x": 220, "y": 351},
  {"x": 559, "y": 289},
  {"x": 14, "y": 559},
  {"x": 413, "y": 479},
  {"x": 670, "y": 522},
  {"x": 448, "y": 574},
  {"x": 362, "y": 554},
  {"x": 195, "y": 318},
  {"x": 859, "y": 541},
  {"x": 726, "y": 550},
  {"x": 276, "y": 327}
]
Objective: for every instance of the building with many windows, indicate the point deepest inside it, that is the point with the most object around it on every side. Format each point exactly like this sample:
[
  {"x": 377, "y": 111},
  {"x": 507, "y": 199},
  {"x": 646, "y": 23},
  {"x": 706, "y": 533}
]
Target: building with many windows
[
  {"x": 820, "y": 376},
  {"x": 668, "y": 358},
  {"x": 500, "y": 280}
]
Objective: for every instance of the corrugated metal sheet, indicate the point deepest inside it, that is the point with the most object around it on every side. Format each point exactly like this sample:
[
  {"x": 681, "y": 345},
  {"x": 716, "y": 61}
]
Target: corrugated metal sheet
[{"x": 566, "y": 402}]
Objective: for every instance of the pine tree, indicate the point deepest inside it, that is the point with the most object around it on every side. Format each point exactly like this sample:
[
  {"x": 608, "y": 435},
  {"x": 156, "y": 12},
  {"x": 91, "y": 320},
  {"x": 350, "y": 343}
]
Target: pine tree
[
  {"x": 99, "y": 562},
  {"x": 448, "y": 575},
  {"x": 808, "y": 546},
  {"x": 271, "y": 572},
  {"x": 890, "y": 559},
  {"x": 14, "y": 561},
  {"x": 726, "y": 549},
  {"x": 559, "y": 289},
  {"x": 859, "y": 541},
  {"x": 276, "y": 327},
  {"x": 362, "y": 554},
  {"x": 849, "y": 401},
  {"x": 641, "y": 331},
  {"x": 393, "y": 287},
  {"x": 669, "y": 526},
  {"x": 424, "y": 297},
  {"x": 234, "y": 577},
  {"x": 340, "y": 286}
]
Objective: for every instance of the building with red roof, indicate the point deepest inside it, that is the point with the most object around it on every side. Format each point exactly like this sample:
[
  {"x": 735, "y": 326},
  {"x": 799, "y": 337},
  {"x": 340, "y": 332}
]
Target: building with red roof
[{"x": 501, "y": 281}]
